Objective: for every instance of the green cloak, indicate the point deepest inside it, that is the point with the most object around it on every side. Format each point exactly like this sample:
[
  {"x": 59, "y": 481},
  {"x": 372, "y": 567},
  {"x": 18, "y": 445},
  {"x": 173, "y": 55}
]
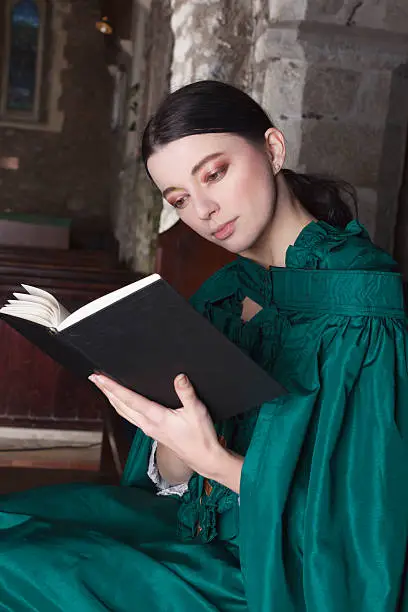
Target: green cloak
[{"x": 322, "y": 520}]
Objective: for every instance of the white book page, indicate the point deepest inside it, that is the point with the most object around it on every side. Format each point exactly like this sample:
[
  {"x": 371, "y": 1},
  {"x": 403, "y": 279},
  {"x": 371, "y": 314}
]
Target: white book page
[
  {"x": 30, "y": 303},
  {"x": 28, "y": 316},
  {"x": 60, "y": 313},
  {"x": 107, "y": 300},
  {"x": 36, "y": 305},
  {"x": 22, "y": 308}
]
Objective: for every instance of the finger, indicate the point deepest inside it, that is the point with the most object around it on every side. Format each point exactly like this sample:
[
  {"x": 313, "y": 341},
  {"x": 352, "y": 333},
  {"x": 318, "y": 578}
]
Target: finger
[
  {"x": 137, "y": 409},
  {"x": 105, "y": 383},
  {"x": 131, "y": 398},
  {"x": 126, "y": 413},
  {"x": 185, "y": 390}
]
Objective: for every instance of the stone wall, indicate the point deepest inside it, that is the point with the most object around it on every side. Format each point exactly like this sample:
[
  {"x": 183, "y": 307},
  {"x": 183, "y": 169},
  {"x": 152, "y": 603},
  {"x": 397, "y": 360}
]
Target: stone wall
[
  {"x": 332, "y": 75},
  {"x": 64, "y": 164},
  {"x": 401, "y": 233},
  {"x": 137, "y": 203},
  {"x": 212, "y": 40}
]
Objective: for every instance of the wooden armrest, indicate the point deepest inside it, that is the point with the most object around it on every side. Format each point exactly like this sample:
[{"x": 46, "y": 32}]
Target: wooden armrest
[{"x": 115, "y": 447}]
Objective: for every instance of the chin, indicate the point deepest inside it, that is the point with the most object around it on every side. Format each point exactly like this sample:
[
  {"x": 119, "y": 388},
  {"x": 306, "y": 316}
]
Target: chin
[{"x": 235, "y": 244}]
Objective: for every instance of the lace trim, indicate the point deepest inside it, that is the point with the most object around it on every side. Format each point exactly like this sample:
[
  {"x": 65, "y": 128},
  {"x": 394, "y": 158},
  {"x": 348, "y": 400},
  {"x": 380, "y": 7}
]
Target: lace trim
[{"x": 163, "y": 487}]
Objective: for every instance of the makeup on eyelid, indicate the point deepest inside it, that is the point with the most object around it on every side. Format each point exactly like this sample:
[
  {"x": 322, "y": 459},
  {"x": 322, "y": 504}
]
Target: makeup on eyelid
[{"x": 207, "y": 178}]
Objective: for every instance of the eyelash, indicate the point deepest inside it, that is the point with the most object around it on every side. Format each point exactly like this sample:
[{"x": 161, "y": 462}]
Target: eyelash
[
  {"x": 179, "y": 203},
  {"x": 218, "y": 174}
]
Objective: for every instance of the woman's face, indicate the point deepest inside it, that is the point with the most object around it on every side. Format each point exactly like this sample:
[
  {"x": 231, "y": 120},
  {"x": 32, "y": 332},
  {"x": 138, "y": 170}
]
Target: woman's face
[{"x": 222, "y": 186}]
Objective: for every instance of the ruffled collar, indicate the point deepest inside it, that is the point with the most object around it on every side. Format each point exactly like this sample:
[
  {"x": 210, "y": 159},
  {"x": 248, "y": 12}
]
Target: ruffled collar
[
  {"x": 312, "y": 245},
  {"x": 317, "y": 239}
]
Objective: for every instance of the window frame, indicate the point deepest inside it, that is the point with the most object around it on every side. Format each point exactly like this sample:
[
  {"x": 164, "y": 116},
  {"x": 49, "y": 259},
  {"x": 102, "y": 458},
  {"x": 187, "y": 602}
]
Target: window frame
[{"x": 34, "y": 116}]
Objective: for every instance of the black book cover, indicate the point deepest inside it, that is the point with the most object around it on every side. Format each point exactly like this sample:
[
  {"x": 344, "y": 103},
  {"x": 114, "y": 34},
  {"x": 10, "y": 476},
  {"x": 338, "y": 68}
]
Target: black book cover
[{"x": 145, "y": 339}]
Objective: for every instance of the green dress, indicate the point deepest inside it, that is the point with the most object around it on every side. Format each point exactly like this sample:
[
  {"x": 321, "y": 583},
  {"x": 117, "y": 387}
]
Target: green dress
[{"x": 321, "y": 524}]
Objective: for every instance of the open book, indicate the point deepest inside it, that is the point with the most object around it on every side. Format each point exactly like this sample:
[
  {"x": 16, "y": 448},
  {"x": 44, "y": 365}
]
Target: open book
[
  {"x": 41, "y": 307},
  {"x": 143, "y": 335}
]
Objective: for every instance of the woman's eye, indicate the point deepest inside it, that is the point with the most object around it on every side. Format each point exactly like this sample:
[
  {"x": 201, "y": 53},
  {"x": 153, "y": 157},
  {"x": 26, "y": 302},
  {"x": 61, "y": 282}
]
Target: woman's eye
[
  {"x": 180, "y": 203},
  {"x": 216, "y": 175}
]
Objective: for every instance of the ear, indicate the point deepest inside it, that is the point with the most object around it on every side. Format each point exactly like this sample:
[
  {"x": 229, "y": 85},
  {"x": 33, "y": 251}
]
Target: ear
[{"x": 275, "y": 149}]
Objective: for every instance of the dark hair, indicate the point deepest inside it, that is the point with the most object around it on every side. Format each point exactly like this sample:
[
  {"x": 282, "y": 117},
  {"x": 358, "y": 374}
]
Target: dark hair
[{"x": 207, "y": 107}]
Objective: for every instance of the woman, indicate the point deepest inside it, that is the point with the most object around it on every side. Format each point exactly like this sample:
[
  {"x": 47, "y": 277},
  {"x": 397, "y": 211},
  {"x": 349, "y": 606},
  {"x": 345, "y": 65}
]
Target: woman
[{"x": 299, "y": 504}]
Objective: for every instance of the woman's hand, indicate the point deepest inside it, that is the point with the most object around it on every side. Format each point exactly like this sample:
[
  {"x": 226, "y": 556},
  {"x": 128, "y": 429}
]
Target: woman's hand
[{"x": 188, "y": 432}]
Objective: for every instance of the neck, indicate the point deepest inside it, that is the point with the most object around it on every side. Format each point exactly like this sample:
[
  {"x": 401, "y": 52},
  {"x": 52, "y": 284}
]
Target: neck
[{"x": 288, "y": 221}]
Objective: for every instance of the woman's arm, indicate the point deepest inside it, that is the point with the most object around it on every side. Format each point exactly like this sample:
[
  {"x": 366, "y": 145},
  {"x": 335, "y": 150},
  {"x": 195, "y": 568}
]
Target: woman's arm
[
  {"x": 171, "y": 467},
  {"x": 228, "y": 469}
]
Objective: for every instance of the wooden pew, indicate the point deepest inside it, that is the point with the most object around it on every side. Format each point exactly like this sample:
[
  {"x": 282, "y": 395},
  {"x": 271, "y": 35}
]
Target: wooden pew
[{"x": 58, "y": 257}]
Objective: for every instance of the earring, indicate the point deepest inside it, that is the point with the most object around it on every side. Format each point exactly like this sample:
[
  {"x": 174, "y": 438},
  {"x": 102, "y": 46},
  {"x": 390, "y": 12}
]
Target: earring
[{"x": 275, "y": 168}]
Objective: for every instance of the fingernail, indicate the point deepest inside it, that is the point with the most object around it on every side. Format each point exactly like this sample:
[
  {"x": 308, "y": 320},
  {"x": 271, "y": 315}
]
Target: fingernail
[
  {"x": 182, "y": 380},
  {"x": 94, "y": 378}
]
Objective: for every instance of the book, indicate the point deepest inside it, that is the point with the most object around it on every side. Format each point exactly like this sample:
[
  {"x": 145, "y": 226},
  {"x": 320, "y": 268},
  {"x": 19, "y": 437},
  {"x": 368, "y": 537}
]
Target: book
[{"x": 143, "y": 335}]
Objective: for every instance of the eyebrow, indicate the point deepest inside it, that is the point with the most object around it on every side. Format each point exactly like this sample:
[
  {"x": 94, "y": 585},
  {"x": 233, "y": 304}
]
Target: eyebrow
[{"x": 195, "y": 169}]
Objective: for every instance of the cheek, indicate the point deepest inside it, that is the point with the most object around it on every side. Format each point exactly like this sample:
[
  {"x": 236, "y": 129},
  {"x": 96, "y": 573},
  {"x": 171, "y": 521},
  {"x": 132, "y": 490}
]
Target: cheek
[
  {"x": 267, "y": 195},
  {"x": 189, "y": 217},
  {"x": 256, "y": 190}
]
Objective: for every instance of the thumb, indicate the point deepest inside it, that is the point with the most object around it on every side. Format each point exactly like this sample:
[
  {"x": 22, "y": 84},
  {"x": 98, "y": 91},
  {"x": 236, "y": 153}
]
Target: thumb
[{"x": 184, "y": 389}]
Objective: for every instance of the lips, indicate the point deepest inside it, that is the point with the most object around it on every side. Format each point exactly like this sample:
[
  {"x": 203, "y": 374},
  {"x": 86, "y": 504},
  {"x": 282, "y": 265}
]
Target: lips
[{"x": 225, "y": 231}]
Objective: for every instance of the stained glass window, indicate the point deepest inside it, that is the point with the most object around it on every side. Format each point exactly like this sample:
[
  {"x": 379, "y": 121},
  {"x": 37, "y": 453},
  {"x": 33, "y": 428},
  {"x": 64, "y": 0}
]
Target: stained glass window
[
  {"x": 22, "y": 83},
  {"x": 23, "y": 56}
]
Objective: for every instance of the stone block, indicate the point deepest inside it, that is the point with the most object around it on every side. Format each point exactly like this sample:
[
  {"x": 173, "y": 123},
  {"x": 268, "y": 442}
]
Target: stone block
[
  {"x": 351, "y": 13},
  {"x": 349, "y": 151},
  {"x": 391, "y": 15},
  {"x": 182, "y": 47},
  {"x": 390, "y": 177},
  {"x": 330, "y": 91},
  {"x": 293, "y": 88},
  {"x": 366, "y": 14},
  {"x": 372, "y": 101},
  {"x": 282, "y": 10},
  {"x": 396, "y": 16},
  {"x": 367, "y": 209},
  {"x": 283, "y": 88},
  {"x": 180, "y": 18},
  {"x": 348, "y": 48},
  {"x": 316, "y": 9},
  {"x": 275, "y": 43}
]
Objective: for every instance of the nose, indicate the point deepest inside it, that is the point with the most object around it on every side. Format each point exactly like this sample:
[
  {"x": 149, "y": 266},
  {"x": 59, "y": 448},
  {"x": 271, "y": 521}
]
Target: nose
[{"x": 205, "y": 207}]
